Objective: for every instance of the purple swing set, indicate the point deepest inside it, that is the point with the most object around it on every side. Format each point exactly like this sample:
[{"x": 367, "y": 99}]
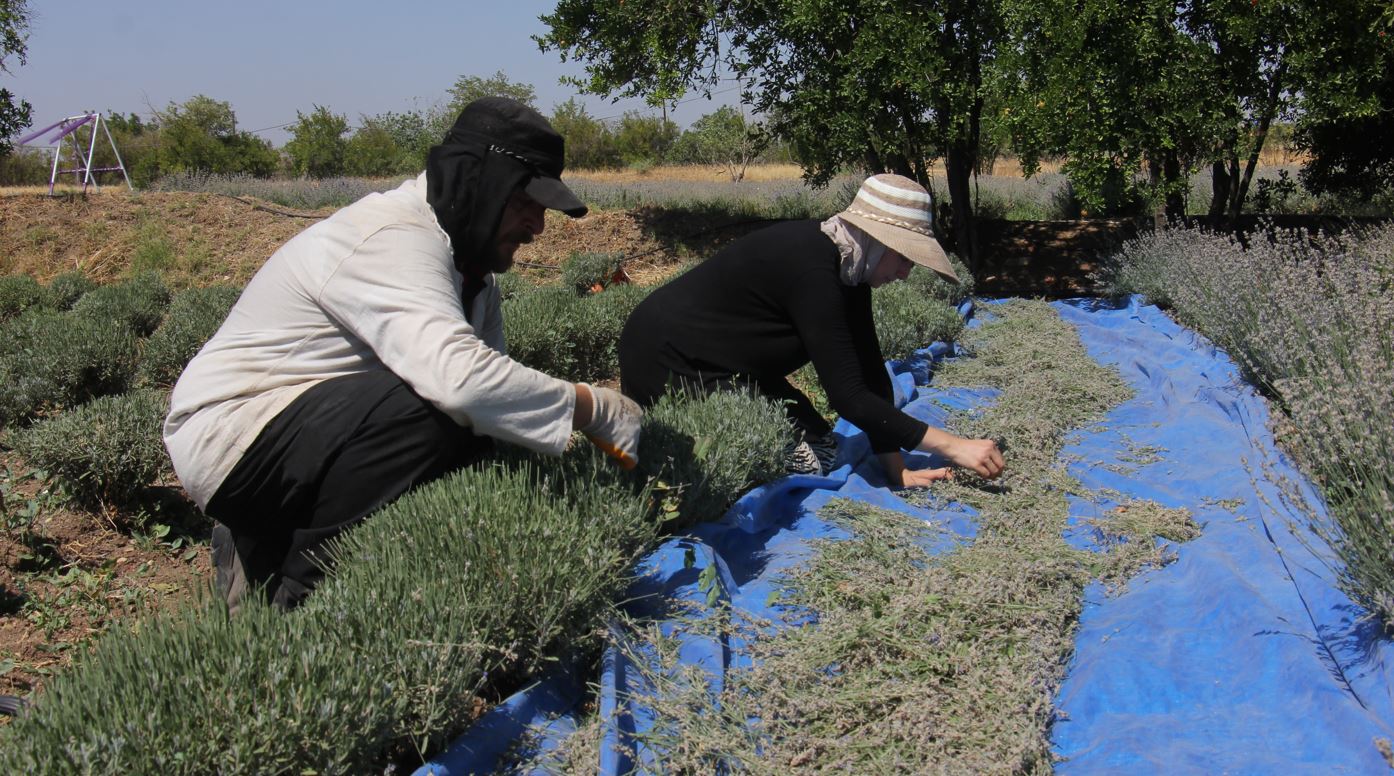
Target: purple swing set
[{"x": 67, "y": 129}]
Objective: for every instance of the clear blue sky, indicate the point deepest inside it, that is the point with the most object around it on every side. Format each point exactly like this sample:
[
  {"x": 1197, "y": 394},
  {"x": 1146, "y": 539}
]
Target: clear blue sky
[{"x": 270, "y": 59}]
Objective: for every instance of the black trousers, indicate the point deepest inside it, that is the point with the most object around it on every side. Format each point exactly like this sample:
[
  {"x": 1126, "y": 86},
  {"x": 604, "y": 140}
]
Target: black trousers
[
  {"x": 336, "y": 454},
  {"x": 648, "y": 370}
]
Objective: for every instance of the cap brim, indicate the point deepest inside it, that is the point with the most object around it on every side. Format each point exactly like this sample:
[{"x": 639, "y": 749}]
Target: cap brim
[
  {"x": 921, "y": 249},
  {"x": 552, "y": 193}
]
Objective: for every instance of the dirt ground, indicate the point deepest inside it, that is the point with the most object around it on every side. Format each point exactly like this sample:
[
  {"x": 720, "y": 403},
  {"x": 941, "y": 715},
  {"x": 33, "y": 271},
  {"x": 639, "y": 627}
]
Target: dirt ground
[
  {"x": 212, "y": 238},
  {"x": 67, "y": 575}
]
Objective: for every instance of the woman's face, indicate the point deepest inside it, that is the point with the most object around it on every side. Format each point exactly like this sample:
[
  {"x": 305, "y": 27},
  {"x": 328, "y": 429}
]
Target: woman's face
[{"x": 892, "y": 267}]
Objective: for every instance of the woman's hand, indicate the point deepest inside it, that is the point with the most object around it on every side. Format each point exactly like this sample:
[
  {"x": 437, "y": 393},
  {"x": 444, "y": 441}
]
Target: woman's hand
[
  {"x": 923, "y": 478},
  {"x": 900, "y": 477},
  {"x": 980, "y": 456}
]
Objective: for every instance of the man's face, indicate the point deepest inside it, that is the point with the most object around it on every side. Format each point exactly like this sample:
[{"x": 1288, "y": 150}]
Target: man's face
[{"x": 522, "y": 220}]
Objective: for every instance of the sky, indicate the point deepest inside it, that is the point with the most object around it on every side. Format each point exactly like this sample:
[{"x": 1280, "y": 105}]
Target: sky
[{"x": 271, "y": 59}]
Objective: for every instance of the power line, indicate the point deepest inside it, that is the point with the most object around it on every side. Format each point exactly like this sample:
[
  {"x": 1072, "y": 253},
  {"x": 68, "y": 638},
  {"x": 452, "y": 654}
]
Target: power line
[
  {"x": 267, "y": 129},
  {"x": 649, "y": 111}
]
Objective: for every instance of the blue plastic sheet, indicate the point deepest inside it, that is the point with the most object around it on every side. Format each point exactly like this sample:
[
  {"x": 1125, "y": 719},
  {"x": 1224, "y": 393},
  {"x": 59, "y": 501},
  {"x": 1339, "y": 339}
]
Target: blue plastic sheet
[{"x": 1241, "y": 657}]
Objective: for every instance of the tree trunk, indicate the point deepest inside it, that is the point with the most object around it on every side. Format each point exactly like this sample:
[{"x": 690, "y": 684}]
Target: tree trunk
[
  {"x": 958, "y": 165},
  {"x": 1270, "y": 109},
  {"x": 1171, "y": 173},
  {"x": 1219, "y": 189},
  {"x": 1165, "y": 174}
]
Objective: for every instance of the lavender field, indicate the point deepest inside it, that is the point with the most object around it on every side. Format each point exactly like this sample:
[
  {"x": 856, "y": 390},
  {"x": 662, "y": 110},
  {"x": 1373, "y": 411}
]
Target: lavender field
[{"x": 1311, "y": 322}]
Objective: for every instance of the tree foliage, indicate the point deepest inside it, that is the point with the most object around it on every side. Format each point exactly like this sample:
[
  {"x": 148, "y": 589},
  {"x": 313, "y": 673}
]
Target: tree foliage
[
  {"x": 722, "y": 138},
  {"x": 887, "y": 85},
  {"x": 317, "y": 147},
  {"x": 394, "y": 143},
  {"x": 14, "y": 24},
  {"x": 1112, "y": 88},
  {"x": 643, "y": 139},
  {"x": 1167, "y": 88},
  {"x": 469, "y": 88},
  {"x": 201, "y": 135},
  {"x": 1347, "y": 123},
  {"x": 589, "y": 143}
]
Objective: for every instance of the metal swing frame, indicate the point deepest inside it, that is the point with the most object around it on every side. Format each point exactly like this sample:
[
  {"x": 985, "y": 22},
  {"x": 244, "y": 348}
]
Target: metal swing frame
[{"x": 58, "y": 133}]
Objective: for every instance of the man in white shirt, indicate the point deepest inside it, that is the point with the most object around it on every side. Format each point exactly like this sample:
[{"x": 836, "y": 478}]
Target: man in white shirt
[{"x": 367, "y": 357}]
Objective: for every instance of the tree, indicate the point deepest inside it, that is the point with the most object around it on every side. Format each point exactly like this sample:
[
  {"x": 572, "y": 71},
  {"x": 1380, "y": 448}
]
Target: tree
[
  {"x": 1166, "y": 87},
  {"x": 590, "y": 145},
  {"x": 469, "y": 88},
  {"x": 888, "y": 85},
  {"x": 414, "y": 132},
  {"x": 644, "y": 139},
  {"x": 200, "y": 135},
  {"x": 371, "y": 151},
  {"x": 722, "y": 138},
  {"x": 1347, "y": 125},
  {"x": 1115, "y": 89},
  {"x": 14, "y": 25},
  {"x": 317, "y": 145}
]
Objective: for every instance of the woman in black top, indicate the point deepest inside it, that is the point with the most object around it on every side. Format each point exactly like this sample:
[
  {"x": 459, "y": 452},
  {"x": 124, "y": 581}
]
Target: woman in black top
[{"x": 797, "y": 292}]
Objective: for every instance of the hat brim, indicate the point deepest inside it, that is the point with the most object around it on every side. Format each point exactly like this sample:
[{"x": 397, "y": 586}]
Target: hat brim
[
  {"x": 552, "y": 193},
  {"x": 921, "y": 249}
]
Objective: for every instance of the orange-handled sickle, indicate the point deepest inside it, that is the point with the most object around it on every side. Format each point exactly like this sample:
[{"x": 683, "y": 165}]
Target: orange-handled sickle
[{"x": 626, "y": 461}]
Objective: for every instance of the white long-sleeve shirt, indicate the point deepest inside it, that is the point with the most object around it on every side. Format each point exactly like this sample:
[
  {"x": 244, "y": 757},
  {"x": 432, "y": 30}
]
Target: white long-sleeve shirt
[{"x": 372, "y": 287}]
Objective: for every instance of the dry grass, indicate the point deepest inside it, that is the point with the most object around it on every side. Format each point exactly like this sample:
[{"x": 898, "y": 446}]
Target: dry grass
[
  {"x": 920, "y": 662},
  {"x": 691, "y": 172}
]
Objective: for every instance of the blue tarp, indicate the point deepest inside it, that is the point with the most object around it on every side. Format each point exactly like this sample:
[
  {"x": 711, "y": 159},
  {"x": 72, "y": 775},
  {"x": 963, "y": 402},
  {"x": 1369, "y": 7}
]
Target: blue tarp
[{"x": 1242, "y": 656}]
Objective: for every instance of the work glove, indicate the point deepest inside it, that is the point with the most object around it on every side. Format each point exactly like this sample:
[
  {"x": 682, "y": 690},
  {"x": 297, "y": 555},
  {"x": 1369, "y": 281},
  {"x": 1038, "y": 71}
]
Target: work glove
[{"x": 614, "y": 426}]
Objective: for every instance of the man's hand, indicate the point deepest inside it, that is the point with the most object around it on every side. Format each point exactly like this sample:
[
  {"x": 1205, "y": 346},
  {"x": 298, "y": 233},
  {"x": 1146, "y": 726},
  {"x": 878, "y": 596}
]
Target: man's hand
[
  {"x": 614, "y": 424},
  {"x": 978, "y": 455}
]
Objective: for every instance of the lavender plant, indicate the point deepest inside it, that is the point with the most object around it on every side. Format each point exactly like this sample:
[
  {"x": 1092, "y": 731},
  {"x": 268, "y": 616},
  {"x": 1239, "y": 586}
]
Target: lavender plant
[
  {"x": 106, "y": 451},
  {"x": 299, "y": 193},
  {"x": 65, "y": 290},
  {"x": 193, "y": 318},
  {"x": 584, "y": 271},
  {"x": 448, "y": 596},
  {"x": 1309, "y": 320},
  {"x": 552, "y": 329},
  {"x": 908, "y": 319},
  {"x": 50, "y": 360},
  {"x": 137, "y": 304},
  {"x": 17, "y": 294}
]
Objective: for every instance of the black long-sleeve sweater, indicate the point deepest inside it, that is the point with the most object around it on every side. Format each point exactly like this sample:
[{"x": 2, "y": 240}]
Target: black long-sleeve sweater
[{"x": 758, "y": 310}]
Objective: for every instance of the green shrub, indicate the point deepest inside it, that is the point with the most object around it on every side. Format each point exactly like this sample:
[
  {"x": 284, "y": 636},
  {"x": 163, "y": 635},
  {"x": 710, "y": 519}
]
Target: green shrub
[
  {"x": 193, "y": 318},
  {"x": 104, "y": 452},
  {"x": 537, "y": 326},
  {"x": 64, "y": 290},
  {"x": 908, "y": 319},
  {"x": 17, "y": 294},
  {"x": 931, "y": 284},
  {"x": 54, "y": 360},
  {"x": 712, "y": 449},
  {"x": 585, "y": 271},
  {"x": 137, "y": 304},
  {"x": 487, "y": 573},
  {"x": 512, "y": 284},
  {"x": 597, "y": 328},
  {"x": 572, "y": 337}
]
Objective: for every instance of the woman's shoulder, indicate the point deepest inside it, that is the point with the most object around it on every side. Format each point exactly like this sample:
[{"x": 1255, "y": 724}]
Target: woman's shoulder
[{"x": 789, "y": 242}]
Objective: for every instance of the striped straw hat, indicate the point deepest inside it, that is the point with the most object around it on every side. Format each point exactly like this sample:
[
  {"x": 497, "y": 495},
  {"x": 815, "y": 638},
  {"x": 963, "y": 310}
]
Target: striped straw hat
[{"x": 896, "y": 212}]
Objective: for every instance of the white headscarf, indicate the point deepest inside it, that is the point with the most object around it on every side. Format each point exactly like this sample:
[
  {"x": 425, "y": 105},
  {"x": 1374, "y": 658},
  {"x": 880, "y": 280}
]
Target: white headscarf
[{"x": 860, "y": 252}]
